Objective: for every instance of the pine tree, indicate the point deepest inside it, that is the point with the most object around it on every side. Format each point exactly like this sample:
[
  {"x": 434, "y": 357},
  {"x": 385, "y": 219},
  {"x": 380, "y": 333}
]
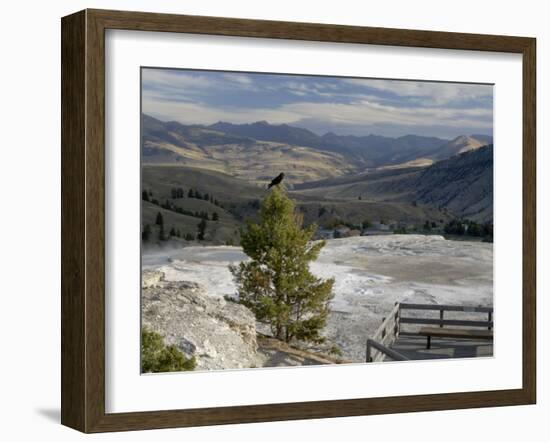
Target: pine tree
[
  {"x": 190, "y": 194},
  {"x": 144, "y": 196},
  {"x": 202, "y": 229},
  {"x": 159, "y": 221},
  {"x": 172, "y": 232},
  {"x": 146, "y": 234},
  {"x": 215, "y": 216},
  {"x": 276, "y": 283}
]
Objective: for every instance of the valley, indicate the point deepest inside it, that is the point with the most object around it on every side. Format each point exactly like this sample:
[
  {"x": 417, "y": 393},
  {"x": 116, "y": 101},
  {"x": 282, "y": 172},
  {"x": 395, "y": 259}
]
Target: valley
[{"x": 223, "y": 170}]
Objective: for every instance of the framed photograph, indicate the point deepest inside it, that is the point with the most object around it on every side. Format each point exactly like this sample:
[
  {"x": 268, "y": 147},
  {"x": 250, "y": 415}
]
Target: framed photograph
[{"x": 267, "y": 221}]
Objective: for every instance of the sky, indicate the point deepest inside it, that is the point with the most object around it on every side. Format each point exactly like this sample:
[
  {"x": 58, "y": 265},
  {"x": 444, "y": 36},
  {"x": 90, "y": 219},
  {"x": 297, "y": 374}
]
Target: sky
[{"x": 345, "y": 106}]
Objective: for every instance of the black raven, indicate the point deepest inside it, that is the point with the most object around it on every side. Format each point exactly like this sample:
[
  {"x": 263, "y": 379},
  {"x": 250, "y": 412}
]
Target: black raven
[{"x": 276, "y": 181}]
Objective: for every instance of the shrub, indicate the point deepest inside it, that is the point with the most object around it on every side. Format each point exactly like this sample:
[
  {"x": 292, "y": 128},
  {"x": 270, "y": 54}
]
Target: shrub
[{"x": 156, "y": 357}]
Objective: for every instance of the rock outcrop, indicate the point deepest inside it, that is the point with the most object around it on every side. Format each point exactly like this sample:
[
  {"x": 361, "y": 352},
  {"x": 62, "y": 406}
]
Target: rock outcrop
[{"x": 220, "y": 334}]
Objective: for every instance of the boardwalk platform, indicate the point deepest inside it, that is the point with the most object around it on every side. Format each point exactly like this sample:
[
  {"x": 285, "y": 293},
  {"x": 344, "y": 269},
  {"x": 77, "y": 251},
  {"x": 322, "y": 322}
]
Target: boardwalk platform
[
  {"x": 432, "y": 331},
  {"x": 414, "y": 347}
]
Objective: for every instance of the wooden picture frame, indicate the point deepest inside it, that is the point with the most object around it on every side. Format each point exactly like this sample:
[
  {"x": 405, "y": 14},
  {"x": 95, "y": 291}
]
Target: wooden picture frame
[{"x": 83, "y": 220}]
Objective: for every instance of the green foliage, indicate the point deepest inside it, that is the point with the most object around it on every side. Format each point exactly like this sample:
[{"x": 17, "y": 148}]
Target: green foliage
[
  {"x": 215, "y": 216},
  {"x": 159, "y": 221},
  {"x": 202, "y": 229},
  {"x": 276, "y": 283},
  {"x": 470, "y": 228},
  {"x": 146, "y": 234},
  {"x": 145, "y": 195},
  {"x": 162, "y": 236},
  {"x": 176, "y": 192},
  {"x": 156, "y": 357}
]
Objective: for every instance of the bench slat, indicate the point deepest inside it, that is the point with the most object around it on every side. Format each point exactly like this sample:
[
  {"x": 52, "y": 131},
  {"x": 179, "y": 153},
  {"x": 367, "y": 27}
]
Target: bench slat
[
  {"x": 456, "y": 333},
  {"x": 434, "y": 321}
]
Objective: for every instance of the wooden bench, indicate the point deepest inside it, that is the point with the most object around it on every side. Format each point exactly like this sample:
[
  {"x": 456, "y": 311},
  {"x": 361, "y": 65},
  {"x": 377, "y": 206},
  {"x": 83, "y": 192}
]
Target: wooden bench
[{"x": 453, "y": 333}]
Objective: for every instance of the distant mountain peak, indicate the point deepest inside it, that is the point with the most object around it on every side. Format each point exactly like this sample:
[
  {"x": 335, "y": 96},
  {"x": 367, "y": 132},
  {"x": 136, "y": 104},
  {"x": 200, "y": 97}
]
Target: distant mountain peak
[{"x": 364, "y": 151}]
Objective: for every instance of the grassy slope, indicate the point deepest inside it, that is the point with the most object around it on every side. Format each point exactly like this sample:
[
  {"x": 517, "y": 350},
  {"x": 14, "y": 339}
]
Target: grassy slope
[
  {"x": 235, "y": 195},
  {"x": 240, "y": 198}
]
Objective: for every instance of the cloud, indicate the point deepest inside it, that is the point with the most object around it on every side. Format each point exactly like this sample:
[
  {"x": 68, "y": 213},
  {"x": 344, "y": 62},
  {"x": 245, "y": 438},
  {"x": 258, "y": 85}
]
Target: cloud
[
  {"x": 354, "y": 106},
  {"x": 431, "y": 93}
]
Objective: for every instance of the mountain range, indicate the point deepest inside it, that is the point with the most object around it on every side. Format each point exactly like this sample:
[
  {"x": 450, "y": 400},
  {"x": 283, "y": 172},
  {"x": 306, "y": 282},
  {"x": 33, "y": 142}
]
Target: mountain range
[
  {"x": 408, "y": 178},
  {"x": 360, "y": 152}
]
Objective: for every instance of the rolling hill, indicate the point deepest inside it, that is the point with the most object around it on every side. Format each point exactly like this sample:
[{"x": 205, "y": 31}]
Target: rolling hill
[
  {"x": 239, "y": 156},
  {"x": 332, "y": 178},
  {"x": 459, "y": 145},
  {"x": 238, "y": 148},
  {"x": 462, "y": 184},
  {"x": 238, "y": 200}
]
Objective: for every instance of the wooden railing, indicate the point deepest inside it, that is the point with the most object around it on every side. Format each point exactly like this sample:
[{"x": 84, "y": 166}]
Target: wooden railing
[
  {"x": 382, "y": 352},
  {"x": 441, "y": 321},
  {"x": 384, "y": 336},
  {"x": 379, "y": 346}
]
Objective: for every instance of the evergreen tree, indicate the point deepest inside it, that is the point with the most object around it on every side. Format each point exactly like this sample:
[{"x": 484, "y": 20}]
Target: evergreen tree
[
  {"x": 144, "y": 196},
  {"x": 162, "y": 237},
  {"x": 159, "y": 221},
  {"x": 174, "y": 193},
  {"x": 276, "y": 283},
  {"x": 146, "y": 234},
  {"x": 202, "y": 229},
  {"x": 215, "y": 216},
  {"x": 172, "y": 232},
  {"x": 190, "y": 194}
]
